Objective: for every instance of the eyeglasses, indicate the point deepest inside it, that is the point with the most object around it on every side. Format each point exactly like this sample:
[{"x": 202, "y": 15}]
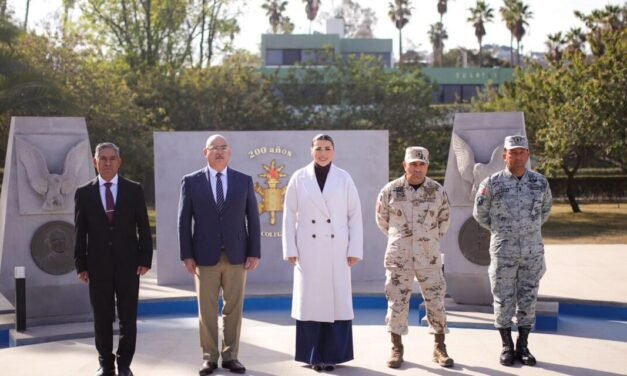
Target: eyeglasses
[{"x": 218, "y": 148}]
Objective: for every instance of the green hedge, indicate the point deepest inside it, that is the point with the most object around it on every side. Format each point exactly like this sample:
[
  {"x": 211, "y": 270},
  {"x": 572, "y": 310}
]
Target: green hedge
[{"x": 597, "y": 188}]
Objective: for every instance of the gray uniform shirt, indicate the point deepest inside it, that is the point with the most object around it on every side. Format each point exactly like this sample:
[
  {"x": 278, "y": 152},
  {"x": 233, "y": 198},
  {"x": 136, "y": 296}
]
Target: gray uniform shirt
[{"x": 514, "y": 211}]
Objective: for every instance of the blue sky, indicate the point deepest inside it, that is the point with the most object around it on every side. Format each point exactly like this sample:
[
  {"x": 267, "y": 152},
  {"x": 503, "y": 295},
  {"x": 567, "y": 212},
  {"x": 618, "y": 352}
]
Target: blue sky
[{"x": 550, "y": 16}]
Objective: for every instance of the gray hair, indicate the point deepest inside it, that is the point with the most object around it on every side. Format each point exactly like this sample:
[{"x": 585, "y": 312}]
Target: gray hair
[
  {"x": 106, "y": 145},
  {"x": 214, "y": 137}
]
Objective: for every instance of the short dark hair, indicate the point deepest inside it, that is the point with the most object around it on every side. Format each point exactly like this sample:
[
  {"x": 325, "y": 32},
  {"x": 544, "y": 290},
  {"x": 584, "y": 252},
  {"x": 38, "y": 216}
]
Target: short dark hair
[{"x": 322, "y": 137}]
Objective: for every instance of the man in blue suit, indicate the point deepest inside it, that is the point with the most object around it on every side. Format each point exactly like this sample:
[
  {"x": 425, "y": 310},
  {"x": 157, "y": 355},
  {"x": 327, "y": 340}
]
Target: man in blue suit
[{"x": 219, "y": 238}]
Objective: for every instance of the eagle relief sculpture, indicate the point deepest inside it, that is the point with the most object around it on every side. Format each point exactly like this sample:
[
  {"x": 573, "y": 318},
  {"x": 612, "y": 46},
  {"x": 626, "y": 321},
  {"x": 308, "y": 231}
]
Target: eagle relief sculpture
[
  {"x": 53, "y": 187},
  {"x": 471, "y": 171}
]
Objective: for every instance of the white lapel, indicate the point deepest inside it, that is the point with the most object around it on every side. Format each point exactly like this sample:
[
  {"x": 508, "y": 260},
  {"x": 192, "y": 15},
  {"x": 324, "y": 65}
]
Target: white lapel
[{"x": 311, "y": 185}]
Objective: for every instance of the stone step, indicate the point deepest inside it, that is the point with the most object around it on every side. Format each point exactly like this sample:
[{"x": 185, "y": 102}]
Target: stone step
[
  {"x": 7, "y": 321},
  {"x": 5, "y": 305},
  {"x": 482, "y": 316}
]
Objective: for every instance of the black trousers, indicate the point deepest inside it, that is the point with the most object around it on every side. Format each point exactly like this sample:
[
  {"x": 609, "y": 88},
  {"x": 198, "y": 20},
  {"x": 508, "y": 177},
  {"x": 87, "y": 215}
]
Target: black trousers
[{"x": 107, "y": 293}]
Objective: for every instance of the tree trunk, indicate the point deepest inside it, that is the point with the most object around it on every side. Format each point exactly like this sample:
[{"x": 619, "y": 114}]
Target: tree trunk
[
  {"x": 511, "y": 49},
  {"x": 480, "y": 55},
  {"x": 202, "y": 32},
  {"x": 570, "y": 189},
  {"x": 400, "y": 46},
  {"x": 3, "y": 8},
  {"x": 26, "y": 15}
]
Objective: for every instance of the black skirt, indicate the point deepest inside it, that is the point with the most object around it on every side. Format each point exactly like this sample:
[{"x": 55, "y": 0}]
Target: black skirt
[{"x": 324, "y": 342}]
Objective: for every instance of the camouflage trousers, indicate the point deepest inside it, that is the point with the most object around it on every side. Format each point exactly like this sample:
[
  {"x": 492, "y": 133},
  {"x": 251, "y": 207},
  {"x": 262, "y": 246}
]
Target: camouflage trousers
[
  {"x": 398, "y": 289},
  {"x": 515, "y": 282}
]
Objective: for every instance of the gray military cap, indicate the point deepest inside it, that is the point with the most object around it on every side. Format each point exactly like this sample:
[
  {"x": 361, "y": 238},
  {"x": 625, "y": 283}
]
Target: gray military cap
[
  {"x": 416, "y": 154},
  {"x": 516, "y": 142}
]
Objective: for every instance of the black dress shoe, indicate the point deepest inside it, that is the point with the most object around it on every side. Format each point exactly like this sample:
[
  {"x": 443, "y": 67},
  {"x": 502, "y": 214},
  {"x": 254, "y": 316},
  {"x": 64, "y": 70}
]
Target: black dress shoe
[
  {"x": 234, "y": 366},
  {"x": 124, "y": 371},
  {"x": 105, "y": 372},
  {"x": 317, "y": 367},
  {"x": 329, "y": 367},
  {"x": 207, "y": 368}
]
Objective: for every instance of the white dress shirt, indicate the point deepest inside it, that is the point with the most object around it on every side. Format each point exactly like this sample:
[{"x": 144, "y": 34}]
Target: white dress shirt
[
  {"x": 213, "y": 180},
  {"x": 103, "y": 189}
]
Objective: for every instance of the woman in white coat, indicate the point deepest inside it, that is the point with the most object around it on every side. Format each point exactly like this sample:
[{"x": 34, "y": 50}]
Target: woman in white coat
[{"x": 323, "y": 239}]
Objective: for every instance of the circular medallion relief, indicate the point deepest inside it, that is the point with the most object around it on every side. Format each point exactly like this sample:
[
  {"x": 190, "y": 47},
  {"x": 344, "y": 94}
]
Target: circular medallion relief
[
  {"x": 474, "y": 242},
  {"x": 52, "y": 247}
]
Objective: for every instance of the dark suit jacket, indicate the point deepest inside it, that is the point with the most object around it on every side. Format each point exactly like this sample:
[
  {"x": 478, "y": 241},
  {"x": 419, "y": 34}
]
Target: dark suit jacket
[
  {"x": 237, "y": 226},
  {"x": 102, "y": 248}
]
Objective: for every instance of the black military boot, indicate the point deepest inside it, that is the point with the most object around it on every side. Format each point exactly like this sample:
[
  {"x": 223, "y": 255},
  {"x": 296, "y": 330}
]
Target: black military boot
[
  {"x": 522, "y": 351},
  {"x": 507, "y": 354}
]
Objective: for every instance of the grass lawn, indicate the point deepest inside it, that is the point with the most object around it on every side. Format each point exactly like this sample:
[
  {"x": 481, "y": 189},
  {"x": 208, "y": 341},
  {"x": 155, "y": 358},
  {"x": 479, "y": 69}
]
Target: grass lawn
[{"x": 596, "y": 224}]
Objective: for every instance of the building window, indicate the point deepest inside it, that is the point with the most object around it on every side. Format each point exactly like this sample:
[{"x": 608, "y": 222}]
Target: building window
[
  {"x": 274, "y": 57},
  {"x": 291, "y": 56}
]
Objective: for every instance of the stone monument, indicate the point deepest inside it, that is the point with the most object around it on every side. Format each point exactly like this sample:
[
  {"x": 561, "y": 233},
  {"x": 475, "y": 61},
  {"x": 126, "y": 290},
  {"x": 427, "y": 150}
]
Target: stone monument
[
  {"x": 47, "y": 158},
  {"x": 475, "y": 153},
  {"x": 270, "y": 157}
]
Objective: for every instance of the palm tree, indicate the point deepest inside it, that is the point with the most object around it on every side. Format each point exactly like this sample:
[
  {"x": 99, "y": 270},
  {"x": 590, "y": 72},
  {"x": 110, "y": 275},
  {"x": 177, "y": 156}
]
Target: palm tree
[
  {"x": 601, "y": 22},
  {"x": 555, "y": 45},
  {"x": 274, "y": 10},
  {"x": 437, "y": 36},
  {"x": 442, "y": 8},
  {"x": 522, "y": 14},
  {"x": 481, "y": 14},
  {"x": 311, "y": 9},
  {"x": 507, "y": 15},
  {"x": 575, "y": 38},
  {"x": 26, "y": 14},
  {"x": 3, "y": 8},
  {"x": 67, "y": 6},
  {"x": 399, "y": 12}
]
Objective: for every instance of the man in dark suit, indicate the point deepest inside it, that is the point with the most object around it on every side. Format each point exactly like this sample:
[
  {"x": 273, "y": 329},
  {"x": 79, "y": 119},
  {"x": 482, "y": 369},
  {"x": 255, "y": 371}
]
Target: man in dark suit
[
  {"x": 219, "y": 237},
  {"x": 113, "y": 249}
]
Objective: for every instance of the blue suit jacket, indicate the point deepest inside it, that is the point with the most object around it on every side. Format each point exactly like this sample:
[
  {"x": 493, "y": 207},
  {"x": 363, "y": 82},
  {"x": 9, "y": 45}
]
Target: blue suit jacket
[{"x": 203, "y": 231}]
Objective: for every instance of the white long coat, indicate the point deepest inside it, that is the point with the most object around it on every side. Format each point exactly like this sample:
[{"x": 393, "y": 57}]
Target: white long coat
[{"x": 322, "y": 229}]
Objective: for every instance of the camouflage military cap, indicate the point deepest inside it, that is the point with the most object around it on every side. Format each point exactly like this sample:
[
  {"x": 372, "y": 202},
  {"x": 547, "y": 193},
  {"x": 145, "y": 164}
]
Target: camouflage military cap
[
  {"x": 416, "y": 154},
  {"x": 516, "y": 142}
]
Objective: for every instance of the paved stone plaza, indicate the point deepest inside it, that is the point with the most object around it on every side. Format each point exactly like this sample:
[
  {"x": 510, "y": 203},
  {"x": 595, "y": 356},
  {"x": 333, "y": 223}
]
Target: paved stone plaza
[{"x": 591, "y": 277}]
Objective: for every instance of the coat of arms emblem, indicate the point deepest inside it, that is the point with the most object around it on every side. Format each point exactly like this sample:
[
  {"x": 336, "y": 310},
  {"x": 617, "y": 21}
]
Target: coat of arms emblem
[{"x": 272, "y": 196}]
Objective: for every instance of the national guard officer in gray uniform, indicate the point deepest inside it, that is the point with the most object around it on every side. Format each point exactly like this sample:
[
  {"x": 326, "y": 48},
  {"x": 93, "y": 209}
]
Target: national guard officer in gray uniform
[
  {"x": 413, "y": 212},
  {"x": 514, "y": 204}
]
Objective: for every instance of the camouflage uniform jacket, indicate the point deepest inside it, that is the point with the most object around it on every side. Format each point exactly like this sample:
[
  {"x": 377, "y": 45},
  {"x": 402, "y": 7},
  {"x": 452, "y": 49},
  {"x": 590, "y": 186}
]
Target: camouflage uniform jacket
[
  {"x": 414, "y": 222},
  {"x": 514, "y": 211}
]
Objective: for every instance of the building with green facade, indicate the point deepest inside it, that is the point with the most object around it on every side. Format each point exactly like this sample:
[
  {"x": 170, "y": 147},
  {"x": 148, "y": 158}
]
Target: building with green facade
[{"x": 281, "y": 51}]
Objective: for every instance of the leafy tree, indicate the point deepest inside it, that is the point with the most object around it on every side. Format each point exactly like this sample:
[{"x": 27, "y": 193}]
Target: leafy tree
[
  {"x": 399, "y": 12},
  {"x": 25, "y": 90},
  {"x": 148, "y": 33},
  {"x": 358, "y": 22},
  {"x": 574, "y": 111},
  {"x": 361, "y": 94},
  {"x": 481, "y": 14}
]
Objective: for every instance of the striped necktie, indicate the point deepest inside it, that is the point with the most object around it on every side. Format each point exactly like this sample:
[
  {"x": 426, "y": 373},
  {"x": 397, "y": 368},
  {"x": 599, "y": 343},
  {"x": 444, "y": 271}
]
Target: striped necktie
[
  {"x": 219, "y": 192},
  {"x": 110, "y": 209}
]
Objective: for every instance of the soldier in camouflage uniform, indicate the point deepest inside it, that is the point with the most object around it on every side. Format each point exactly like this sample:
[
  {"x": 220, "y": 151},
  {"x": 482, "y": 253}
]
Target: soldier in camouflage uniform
[
  {"x": 514, "y": 204},
  {"x": 413, "y": 212}
]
